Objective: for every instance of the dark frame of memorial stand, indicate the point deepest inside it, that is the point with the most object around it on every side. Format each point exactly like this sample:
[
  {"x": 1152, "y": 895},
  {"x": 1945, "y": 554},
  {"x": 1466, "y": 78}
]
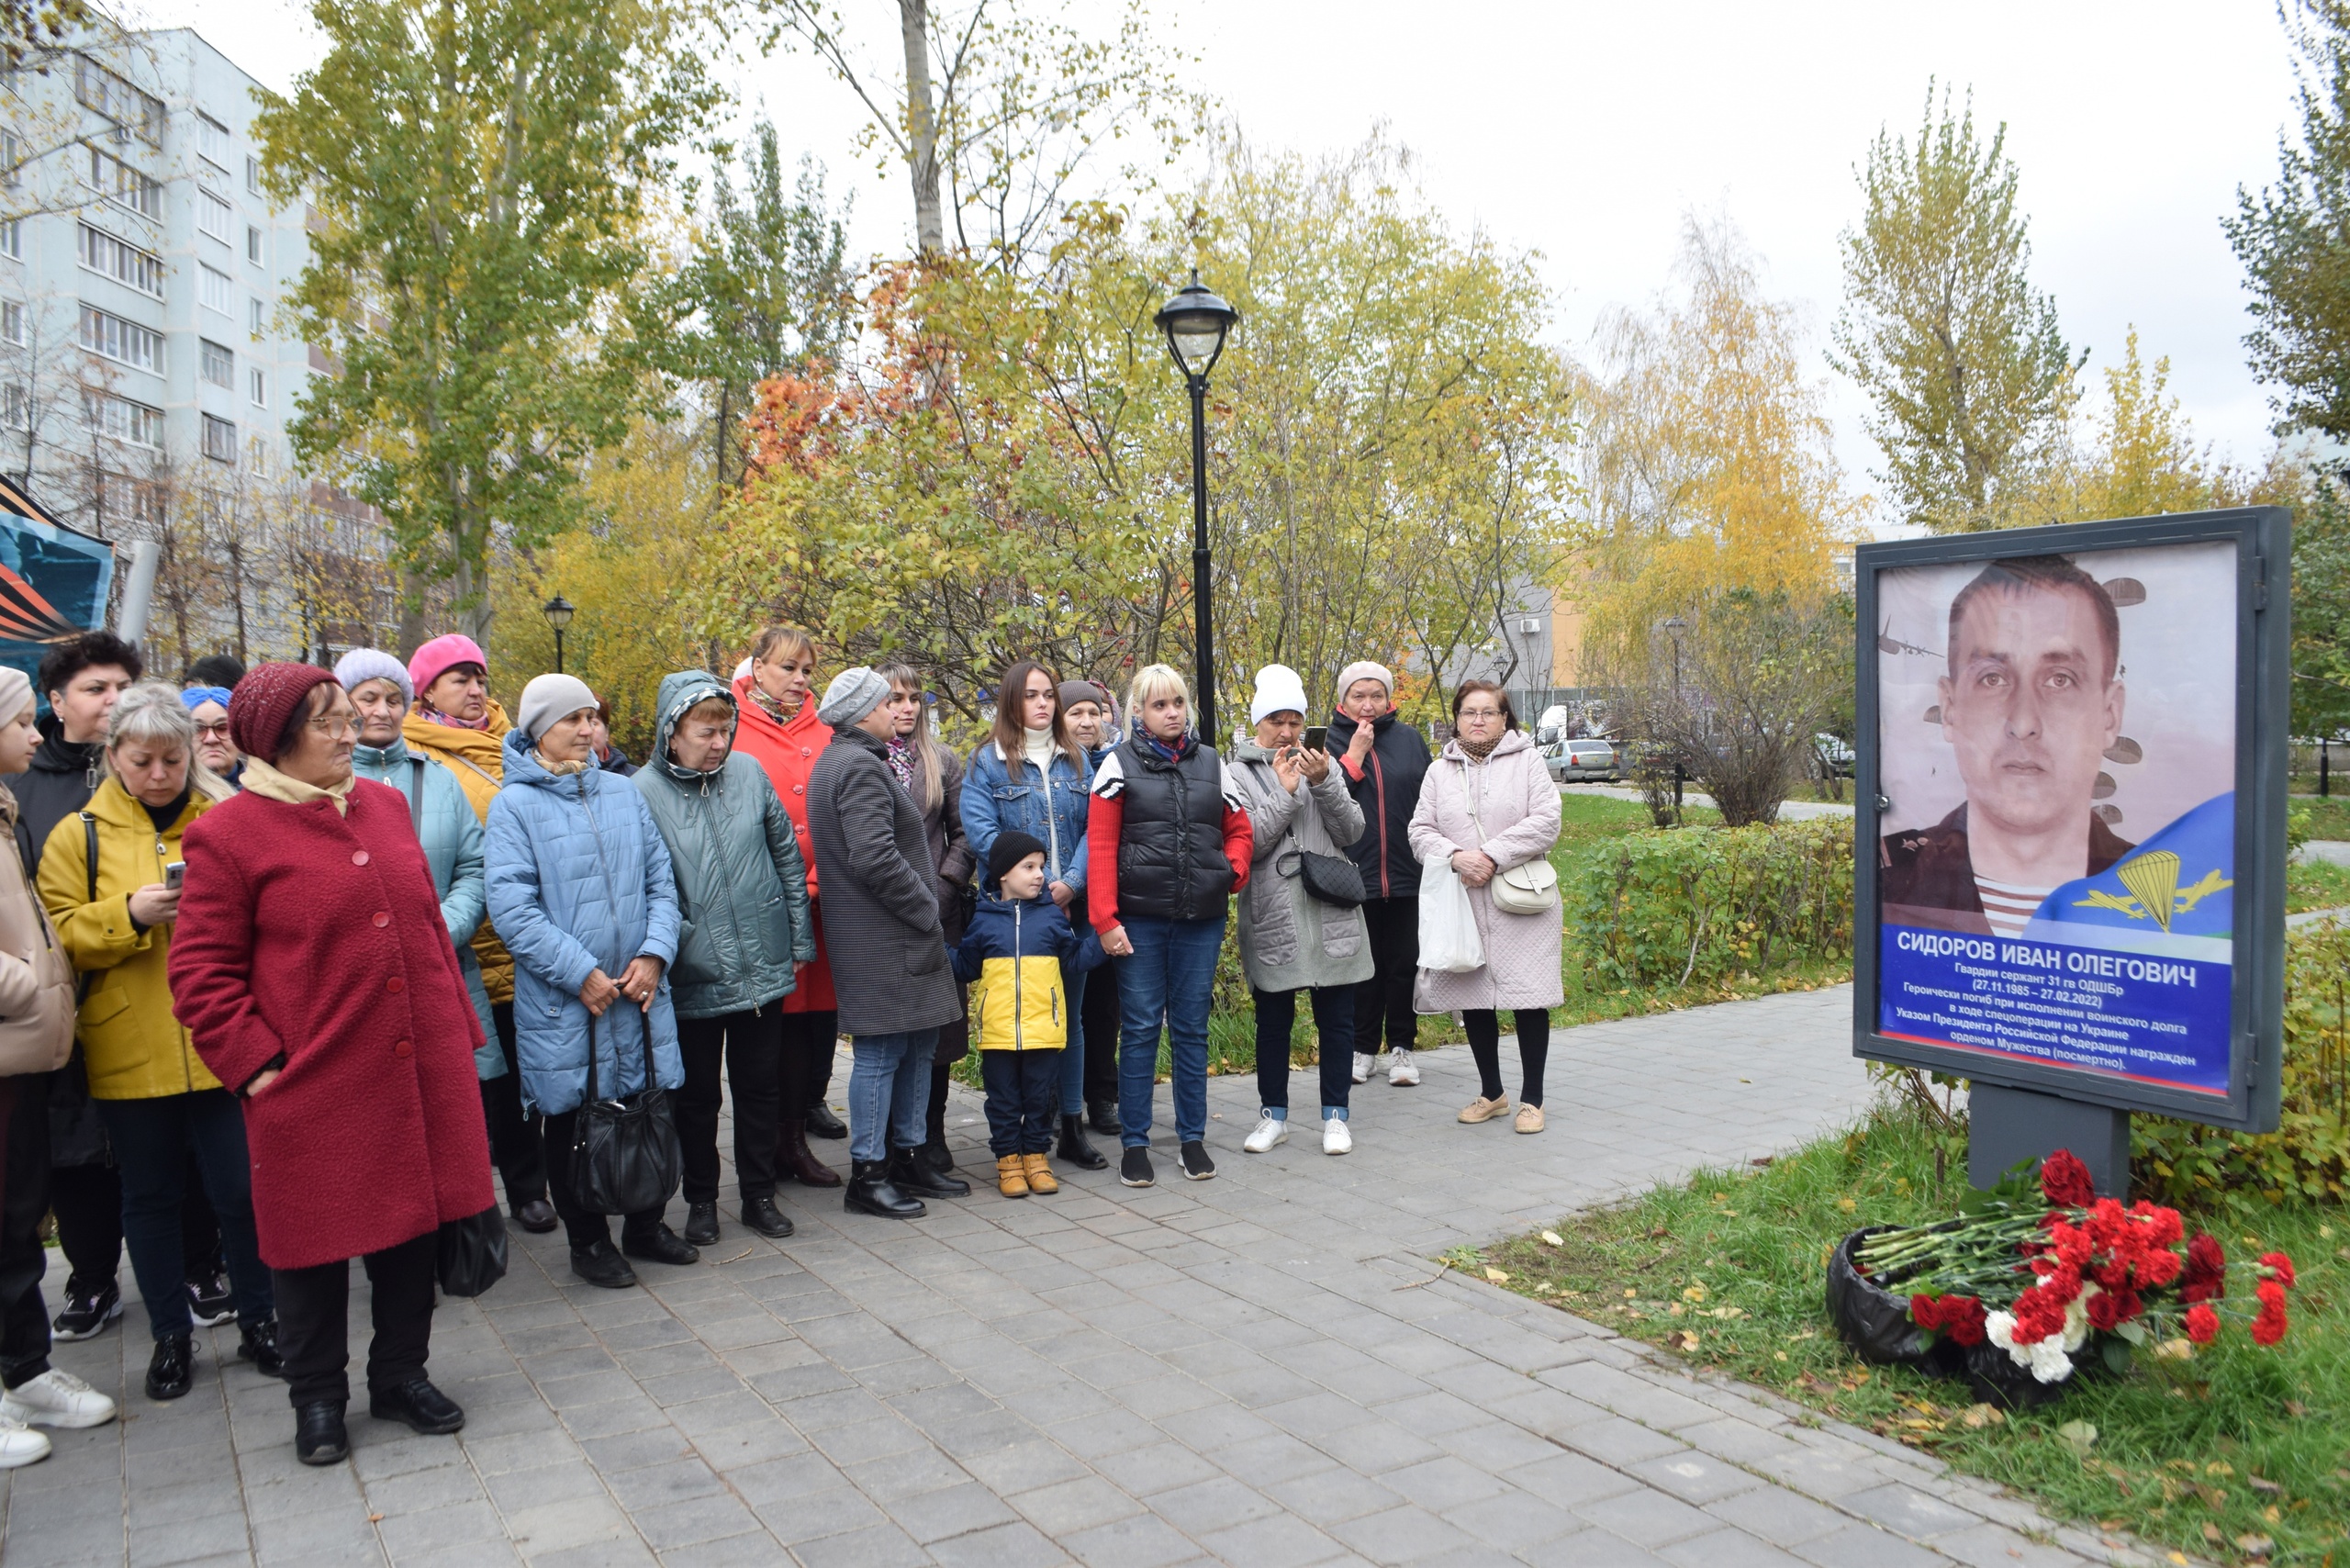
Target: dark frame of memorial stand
[{"x": 2021, "y": 1110}]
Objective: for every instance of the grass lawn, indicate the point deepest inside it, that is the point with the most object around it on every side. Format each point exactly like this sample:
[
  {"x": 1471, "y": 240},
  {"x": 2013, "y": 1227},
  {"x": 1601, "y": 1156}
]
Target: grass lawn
[
  {"x": 2213, "y": 1456},
  {"x": 2329, "y": 815},
  {"x": 2316, "y": 885}
]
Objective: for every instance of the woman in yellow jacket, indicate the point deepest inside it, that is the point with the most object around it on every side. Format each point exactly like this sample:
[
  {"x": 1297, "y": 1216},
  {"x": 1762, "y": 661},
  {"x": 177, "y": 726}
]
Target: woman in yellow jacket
[{"x": 109, "y": 877}]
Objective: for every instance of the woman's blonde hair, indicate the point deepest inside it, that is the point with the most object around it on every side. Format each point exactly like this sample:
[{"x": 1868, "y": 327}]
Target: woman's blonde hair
[
  {"x": 151, "y": 713},
  {"x": 783, "y": 640},
  {"x": 930, "y": 783},
  {"x": 1157, "y": 680}
]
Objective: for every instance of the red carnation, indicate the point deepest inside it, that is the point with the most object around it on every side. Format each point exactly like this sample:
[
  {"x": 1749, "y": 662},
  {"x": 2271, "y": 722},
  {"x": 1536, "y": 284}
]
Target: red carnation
[
  {"x": 1962, "y": 1319},
  {"x": 1925, "y": 1311},
  {"x": 2065, "y": 1181},
  {"x": 2105, "y": 1310},
  {"x": 2269, "y": 1326},
  {"x": 2206, "y": 1277},
  {"x": 2203, "y": 1324},
  {"x": 2282, "y": 1265}
]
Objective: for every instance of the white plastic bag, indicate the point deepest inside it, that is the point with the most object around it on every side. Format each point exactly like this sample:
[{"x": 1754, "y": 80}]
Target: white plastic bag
[{"x": 1449, "y": 939}]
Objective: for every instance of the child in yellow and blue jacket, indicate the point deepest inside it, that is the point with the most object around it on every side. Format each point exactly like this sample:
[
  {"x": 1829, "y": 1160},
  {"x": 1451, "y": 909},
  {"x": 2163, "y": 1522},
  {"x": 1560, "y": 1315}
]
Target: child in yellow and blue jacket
[{"x": 1012, "y": 959}]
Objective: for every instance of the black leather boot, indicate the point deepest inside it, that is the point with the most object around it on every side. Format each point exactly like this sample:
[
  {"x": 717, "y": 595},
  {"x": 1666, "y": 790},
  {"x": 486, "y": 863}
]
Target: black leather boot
[
  {"x": 171, "y": 1371},
  {"x": 762, "y": 1215},
  {"x": 419, "y": 1405},
  {"x": 537, "y": 1217},
  {"x": 1076, "y": 1150},
  {"x": 796, "y": 1162},
  {"x": 257, "y": 1343},
  {"x": 870, "y": 1192},
  {"x": 937, "y": 1156},
  {"x": 821, "y": 1123},
  {"x": 661, "y": 1245},
  {"x": 1103, "y": 1114},
  {"x": 318, "y": 1434},
  {"x": 701, "y": 1224},
  {"x": 911, "y": 1175}
]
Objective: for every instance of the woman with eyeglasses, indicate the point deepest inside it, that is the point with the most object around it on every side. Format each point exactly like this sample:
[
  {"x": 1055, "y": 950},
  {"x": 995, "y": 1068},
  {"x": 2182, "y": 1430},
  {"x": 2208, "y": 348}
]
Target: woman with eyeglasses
[
  {"x": 315, "y": 970},
  {"x": 209, "y": 706},
  {"x": 110, "y": 878},
  {"x": 1488, "y": 805}
]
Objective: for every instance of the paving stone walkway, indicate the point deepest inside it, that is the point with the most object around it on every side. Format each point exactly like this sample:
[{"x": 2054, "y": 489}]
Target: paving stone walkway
[{"x": 1261, "y": 1370}]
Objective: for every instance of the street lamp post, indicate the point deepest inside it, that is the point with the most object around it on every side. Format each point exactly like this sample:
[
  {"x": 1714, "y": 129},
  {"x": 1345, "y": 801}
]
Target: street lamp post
[
  {"x": 1673, "y": 627},
  {"x": 1196, "y": 323},
  {"x": 559, "y": 611}
]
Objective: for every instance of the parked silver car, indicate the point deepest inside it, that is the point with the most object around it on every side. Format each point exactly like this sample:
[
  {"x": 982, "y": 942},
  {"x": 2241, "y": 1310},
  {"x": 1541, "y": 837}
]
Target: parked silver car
[{"x": 1583, "y": 762}]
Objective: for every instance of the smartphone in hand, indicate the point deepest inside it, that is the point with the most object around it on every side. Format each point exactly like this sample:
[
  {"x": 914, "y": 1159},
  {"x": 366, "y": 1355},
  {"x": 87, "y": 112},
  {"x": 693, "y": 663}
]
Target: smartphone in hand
[
  {"x": 1317, "y": 737},
  {"x": 173, "y": 874}
]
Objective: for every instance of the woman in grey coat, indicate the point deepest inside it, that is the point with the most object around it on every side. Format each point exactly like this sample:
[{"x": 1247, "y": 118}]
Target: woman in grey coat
[
  {"x": 744, "y": 927},
  {"x": 1290, "y": 940}
]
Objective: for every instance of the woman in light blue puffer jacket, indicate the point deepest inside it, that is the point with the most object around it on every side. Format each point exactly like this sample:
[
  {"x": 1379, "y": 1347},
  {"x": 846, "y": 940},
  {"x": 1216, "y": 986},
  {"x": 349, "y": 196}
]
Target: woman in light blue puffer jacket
[{"x": 583, "y": 894}]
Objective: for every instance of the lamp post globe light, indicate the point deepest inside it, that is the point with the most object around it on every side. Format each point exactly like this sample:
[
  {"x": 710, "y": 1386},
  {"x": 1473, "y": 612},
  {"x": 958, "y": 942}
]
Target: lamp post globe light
[
  {"x": 1196, "y": 323},
  {"x": 559, "y": 611}
]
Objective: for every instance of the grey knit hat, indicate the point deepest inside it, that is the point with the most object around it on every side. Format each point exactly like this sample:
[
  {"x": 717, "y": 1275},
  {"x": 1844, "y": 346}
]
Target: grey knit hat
[
  {"x": 359, "y": 665},
  {"x": 551, "y": 697},
  {"x": 853, "y": 693}
]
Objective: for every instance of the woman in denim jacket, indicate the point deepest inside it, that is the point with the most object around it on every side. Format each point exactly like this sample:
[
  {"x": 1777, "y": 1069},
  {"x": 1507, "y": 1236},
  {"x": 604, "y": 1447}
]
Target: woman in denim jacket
[{"x": 1033, "y": 776}]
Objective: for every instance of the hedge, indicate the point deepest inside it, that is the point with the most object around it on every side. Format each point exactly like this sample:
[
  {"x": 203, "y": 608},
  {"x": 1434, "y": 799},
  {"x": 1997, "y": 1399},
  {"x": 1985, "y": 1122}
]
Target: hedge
[{"x": 1693, "y": 905}]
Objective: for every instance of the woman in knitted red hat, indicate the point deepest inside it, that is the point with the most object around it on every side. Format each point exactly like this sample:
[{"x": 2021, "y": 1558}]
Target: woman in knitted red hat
[{"x": 359, "y": 1097}]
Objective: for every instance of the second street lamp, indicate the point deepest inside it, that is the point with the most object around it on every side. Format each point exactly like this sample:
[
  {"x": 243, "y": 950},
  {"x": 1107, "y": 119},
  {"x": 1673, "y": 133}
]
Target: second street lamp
[
  {"x": 559, "y": 611},
  {"x": 1196, "y": 323}
]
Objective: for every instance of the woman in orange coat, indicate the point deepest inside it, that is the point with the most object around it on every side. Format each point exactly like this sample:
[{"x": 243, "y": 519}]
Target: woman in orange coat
[{"x": 779, "y": 730}]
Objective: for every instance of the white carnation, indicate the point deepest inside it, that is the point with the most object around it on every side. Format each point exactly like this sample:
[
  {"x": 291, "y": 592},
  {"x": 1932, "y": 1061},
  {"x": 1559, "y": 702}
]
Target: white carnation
[
  {"x": 2077, "y": 1322},
  {"x": 1999, "y": 1328},
  {"x": 2049, "y": 1362}
]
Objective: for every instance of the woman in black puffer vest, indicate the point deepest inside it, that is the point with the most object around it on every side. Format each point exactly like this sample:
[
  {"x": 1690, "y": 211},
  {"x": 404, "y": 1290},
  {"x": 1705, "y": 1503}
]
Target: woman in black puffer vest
[{"x": 1166, "y": 844}]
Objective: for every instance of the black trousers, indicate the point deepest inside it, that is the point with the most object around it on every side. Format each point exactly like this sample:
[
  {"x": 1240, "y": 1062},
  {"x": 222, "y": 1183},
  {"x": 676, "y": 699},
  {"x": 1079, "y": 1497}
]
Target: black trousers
[
  {"x": 24, "y": 1198},
  {"x": 1097, "y": 1015},
  {"x": 516, "y": 1143},
  {"x": 1022, "y": 1087},
  {"x": 1394, "y": 927},
  {"x": 582, "y": 1229},
  {"x": 752, "y": 1044},
  {"x": 1334, "y": 1024},
  {"x": 807, "y": 1070},
  {"x": 87, "y": 1201},
  {"x": 1484, "y": 1029},
  {"x": 314, "y": 1322}
]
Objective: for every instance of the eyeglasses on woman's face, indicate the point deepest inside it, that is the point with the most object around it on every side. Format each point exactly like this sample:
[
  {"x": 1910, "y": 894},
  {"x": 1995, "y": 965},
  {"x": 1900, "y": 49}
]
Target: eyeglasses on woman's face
[
  {"x": 334, "y": 726},
  {"x": 216, "y": 730}
]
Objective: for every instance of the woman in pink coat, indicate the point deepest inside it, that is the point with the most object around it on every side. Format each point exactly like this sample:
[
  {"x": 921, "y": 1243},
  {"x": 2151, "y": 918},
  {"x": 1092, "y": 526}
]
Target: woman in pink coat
[{"x": 1487, "y": 805}]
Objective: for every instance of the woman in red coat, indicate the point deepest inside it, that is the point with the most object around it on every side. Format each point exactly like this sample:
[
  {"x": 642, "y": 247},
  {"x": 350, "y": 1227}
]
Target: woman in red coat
[
  {"x": 313, "y": 969},
  {"x": 779, "y": 730}
]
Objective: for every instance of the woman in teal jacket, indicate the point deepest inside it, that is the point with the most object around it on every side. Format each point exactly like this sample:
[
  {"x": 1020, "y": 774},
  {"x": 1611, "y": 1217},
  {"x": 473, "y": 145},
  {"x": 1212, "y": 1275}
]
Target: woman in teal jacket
[
  {"x": 744, "y": 927},
  {"x": 451, "y": 833}
]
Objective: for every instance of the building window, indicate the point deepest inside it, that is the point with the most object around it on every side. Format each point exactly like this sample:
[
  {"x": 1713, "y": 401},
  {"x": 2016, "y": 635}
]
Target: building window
[
  {"x": 15, "y": 408},
  {"x": 101, "y": 90},
  {"x": 12, "y": 322},
  {"x": 215, "y": 216},
  {"x": 122, "y": 419},
  {"x": 12, "y": 158},
  {"x": 12, "y": 239},
  {"x": 253, "y": 244},
  {"x": 120, "y": 496},
  {"x": 122, "y": 184},
  {"x": 212, "y": 288},
  {"x": 257, "y": 388},
  {"x": 253, "y": 317},
  {"x": 253, "y": 174},
  {"x": 127, "y": 343},
  {"x": 219, "y": 365},
  {"x": 103, "y": 254},
  {"x": 212, "y": 141},
  {"x": 220, "y": 440}
]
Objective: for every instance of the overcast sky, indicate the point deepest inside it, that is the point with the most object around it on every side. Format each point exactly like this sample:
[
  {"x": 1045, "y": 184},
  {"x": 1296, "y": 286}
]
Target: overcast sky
[{"x": 1586, "y": 130}]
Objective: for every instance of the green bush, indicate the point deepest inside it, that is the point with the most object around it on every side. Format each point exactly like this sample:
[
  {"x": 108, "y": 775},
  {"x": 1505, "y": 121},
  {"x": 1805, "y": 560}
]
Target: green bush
[
  {"x": 2308, "y": 1154},
  {"x": 1693, "y": 905}
]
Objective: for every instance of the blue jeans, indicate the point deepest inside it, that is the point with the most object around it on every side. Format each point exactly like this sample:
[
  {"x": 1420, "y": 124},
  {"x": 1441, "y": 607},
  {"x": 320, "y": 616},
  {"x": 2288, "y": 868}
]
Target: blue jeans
[
  {"x": 152, "y": 1141},
  {"x": 889, "y": 1090},
  {"x": 1070, "y": 1070},
  {"x": 1169, "y": 975}
]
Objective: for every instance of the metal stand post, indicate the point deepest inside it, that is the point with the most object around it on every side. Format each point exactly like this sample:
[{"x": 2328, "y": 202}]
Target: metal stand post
[{"x": 2004, "y": 1125}]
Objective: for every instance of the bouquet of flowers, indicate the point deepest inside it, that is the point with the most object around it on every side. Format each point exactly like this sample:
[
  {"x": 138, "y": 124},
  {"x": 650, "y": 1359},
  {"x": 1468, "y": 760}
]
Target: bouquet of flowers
[{"x": 2041, "y": 1272}]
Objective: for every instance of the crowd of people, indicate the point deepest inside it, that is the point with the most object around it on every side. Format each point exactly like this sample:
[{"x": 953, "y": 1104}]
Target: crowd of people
[{"x": 295, "y": 957}]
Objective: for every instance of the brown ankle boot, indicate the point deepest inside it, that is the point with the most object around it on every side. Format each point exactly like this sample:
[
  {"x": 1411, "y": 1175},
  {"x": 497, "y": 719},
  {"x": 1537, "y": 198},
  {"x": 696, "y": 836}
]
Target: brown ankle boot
[
  {"x": 1039, "y": 1172},
  {"x": 797, "y": 1161},
  {"x": 1010, "y": 1179}
]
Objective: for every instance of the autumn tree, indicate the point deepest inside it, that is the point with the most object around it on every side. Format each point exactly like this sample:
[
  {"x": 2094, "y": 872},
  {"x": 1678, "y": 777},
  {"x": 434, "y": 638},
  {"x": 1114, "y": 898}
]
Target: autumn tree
[
  {"x": 1968, "y": 377},
  {"x": 477, "y": 172}
]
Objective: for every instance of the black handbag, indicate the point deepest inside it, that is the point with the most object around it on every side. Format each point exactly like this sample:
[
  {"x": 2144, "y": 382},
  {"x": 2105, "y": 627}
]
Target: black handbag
[
  {"x": 1332, "y": 879},
  {"x": 626, "y": 1157},
  {"x": 472, "y": 1253}
]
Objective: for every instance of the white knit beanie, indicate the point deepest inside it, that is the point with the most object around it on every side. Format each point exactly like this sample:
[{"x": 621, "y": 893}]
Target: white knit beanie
[
  {"x": 551, "y": 697},
  {"x": 853, "y": 693},
  {"x": 359, "y": 665},
  {"x": 1363, "y": 669},
  {"x": 1279, "y": 689}
]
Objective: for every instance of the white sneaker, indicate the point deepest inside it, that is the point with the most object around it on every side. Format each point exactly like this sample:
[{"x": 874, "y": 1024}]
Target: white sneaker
[
  {"x": 20, "y": 1445},
  {"x": 1363, "y": 1065},
  {"x": 56, "y": 1399},
  {"x": 1405, "y": 1074},
  {"x": 1270, "y": 1131},
  {"x": 1335, "y": 1138}
]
